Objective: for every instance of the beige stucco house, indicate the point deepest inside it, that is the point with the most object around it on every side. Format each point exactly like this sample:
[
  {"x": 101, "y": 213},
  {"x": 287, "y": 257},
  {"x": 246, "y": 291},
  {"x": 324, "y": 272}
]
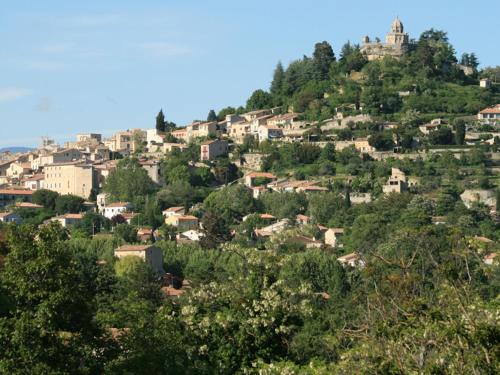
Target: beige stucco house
[
  {"x": 152, "y": 255},
  {"x": 70, "y": 178}
]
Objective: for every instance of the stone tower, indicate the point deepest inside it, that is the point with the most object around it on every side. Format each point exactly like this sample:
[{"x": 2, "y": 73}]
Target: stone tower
[{"x": 397, "y": 36}]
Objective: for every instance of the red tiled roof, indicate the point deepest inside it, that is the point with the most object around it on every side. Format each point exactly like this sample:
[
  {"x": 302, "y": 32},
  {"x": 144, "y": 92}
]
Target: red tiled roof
[
  {"x": 27, "y": 205},
  {"x": 187, "y": 217},
  {"x": 16, "y": 191},
  {"x": 267, "y": 216},
  {"x": 118, "y": 204},
  {"x": 134, "y": 248},
  {"x": 495, "y": 109},
  {"x": 260, "y": 174},
  {"x": 172, "y": 292},
  {"x": 173, "y": 209}
]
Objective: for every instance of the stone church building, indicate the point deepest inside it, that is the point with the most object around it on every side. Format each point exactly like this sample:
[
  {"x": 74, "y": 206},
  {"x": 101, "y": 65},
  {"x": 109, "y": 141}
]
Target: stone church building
[{"x": 396, "y": 43}]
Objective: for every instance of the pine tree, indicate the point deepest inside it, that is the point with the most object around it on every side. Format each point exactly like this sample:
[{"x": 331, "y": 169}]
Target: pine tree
[
  {"x": 278, "y": 79},
  {"x": 211, "y": 116},
  {"x": 347, "y": 201},
  {"x": 459, "y": 132},
  {"x": 323, "y": 57},
  {"x": 160, "y": 121}
]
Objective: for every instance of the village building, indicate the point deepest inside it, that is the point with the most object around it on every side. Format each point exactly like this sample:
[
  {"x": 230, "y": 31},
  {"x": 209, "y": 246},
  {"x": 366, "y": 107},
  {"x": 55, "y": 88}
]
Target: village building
[
  {"x": 351, "y": 260},
  {"x": 144, "y": 234},
  {"x": 302, "y": 219},
  {"x": 62, "y": 156},
  {"x": 112, "y": 209},
  {"x": 28, "y": 205},
  {"x": 194, "y": 235},
  {"x": 129, "y": 216},
  {"x": 277, "y": 227},
  {"x": 333, "y": 237},
  {"x": 183, "y": 222},
  {"x": 285, "y": 120},
  {"x": 269, "y": 132},
  {"x": 10, "y": 217},
  {"x": 489, "y": 115},
  {"x": 19, "y": 169},
  {"x": 250, "y": 178},
  {"x": 485, "y": 83},
  {"x": 35, "y": 182},
  {"x": 169, "y": 147},
  {"x": 68, "y": 219},
  {"x": 396, "y": 44},
  {"x": 396, "y": 183},
  {"x": 212, "y": 149},
  {"x": 174, "y": 211},
  {"x": 308, "y": 243},
  {"x": 152, "y": 255},
  {"x": 153, "y": 168},
  {"x": 239, "y": 130},
  {"x": 74, "y": 178},
  {"x": 491, "y": 259},
  {"x": 11, "y": 196}
]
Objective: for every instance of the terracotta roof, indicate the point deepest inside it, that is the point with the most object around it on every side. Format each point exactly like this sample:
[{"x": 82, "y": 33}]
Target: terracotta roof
[
  {"x": 36, "y": 177},
  {"x": 118, "y": 204},
  {"x": 134, "y": 248},
  {"x": 172, "y": 292},
  {"x": 173, "y": 209},
  {"x": 27, "y": 205},
  {"x": 494, "y": 109},
  {"x": 129, "y": 215},
  {"x": 3, "y": 214},
  {"x": 302, "y": 217},
  {"x": 186, "y": 217},
  {"x": 260, "y": 174},
  {"x": 73, "y": 216},
  {"x": 312, "y": 188},
  {"x": 348, "y": 257},
  {"x": 267, "y": 216},
  {"x": 16, "y": 191}
]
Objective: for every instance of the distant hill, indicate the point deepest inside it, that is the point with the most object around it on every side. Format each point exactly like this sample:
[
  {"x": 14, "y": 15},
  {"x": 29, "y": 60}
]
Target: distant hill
[{"x": 15, "y": 149}]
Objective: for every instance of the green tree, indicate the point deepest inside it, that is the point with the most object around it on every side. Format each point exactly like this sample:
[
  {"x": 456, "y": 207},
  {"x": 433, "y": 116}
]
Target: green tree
[
  {"x": 46, "y": 198},
  {"x": 459, "y": 131},
  {"x": 211, "y": 116},
  {"x": 215, "y": 230},
  {"x": 278, "y": 80},
  {"x": 51, "y": 328},
  {"x": 69, "y": 204},
  {"x": 160, "y": 121},
  {"x": 126, "y": 232},
  {"x": 259, "y": 99},
  {"x": 230, "y": 203},
  {"x": 128, "y": 181},
  {"x": 323, "y": 57}
]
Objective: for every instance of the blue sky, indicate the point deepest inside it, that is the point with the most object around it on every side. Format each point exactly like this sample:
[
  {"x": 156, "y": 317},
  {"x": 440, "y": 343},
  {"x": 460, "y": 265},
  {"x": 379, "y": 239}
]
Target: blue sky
[{"x": 80, "y": 66}]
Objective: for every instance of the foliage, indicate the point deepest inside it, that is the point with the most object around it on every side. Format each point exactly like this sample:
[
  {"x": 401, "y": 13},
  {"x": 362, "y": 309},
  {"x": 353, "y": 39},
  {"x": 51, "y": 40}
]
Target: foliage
[{"x": 128, "y": 181}]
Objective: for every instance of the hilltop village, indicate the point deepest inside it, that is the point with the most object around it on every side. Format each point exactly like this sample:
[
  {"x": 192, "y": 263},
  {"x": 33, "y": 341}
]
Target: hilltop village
[{"x": 328, "y": 206}]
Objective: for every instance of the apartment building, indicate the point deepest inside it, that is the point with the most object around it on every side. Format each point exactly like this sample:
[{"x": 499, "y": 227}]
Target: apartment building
[
  {"x": 209, "y": 150},
  {"x": 70, "y": 178}
]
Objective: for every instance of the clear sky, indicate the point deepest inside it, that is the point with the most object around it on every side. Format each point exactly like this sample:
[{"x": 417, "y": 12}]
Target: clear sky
[{"x": 105, "y": 65}]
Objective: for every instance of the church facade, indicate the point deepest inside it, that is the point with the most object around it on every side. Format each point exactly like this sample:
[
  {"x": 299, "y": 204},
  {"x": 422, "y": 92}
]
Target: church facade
[{"x": 396, "y": 44}]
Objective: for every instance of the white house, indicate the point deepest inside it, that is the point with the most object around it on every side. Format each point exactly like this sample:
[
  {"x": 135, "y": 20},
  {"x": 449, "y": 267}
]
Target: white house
[
  {"x": 173, "y": 211},
  {"x": 10, "y": 217},
  {"x": 113, "y": 209}
]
